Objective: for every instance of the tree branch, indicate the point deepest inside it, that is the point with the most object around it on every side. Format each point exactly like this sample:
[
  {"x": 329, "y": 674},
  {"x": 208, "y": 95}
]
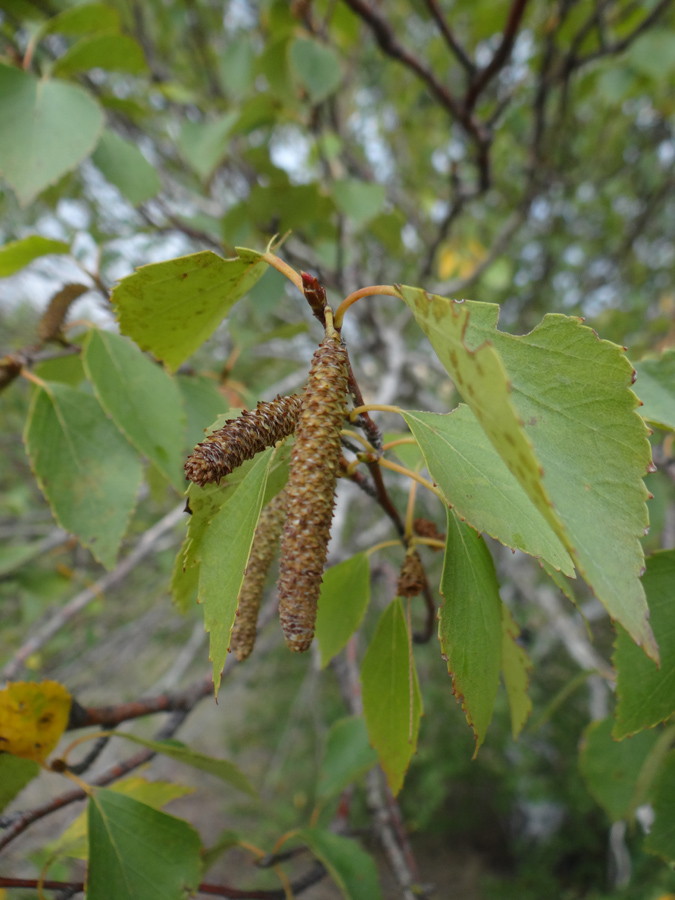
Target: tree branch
[
  {"x": 301, "y": 884},
  {"x": 450, "y": 39},
  {"x": 144, "y": 547},
  {"x": 389, "y": 44},
  {"x": 502, "y": 53}
]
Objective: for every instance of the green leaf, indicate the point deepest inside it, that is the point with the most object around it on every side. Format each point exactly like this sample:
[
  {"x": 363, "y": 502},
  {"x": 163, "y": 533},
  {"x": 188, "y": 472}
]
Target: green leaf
[
  {"x": 139, "y": 853},
  {"x": 516, "y": 668},
  {"x": 223, "y": 555},
  {"x": 645, "y": 692},
  {"x": 653, "y": 54},
  {"x": 84, "y": 18},
  {"x": 236, "y": 67},
  {"x": 409, "y": 454},
  {"x": 123, "y": 164},
  {"x": 611, "y": 768},
  {"x": 557, "y": 406},
  {"x": 345, "y": 593},
  {"x": 114, "y": 52},
  {"x": 317, "y": 67},
  {"x": 348, "y": 755},
  {"x": 171, "y": 308},
  {"x": 661, "y": 838},
  {"x": 48, "y": 127},
  {"x": 17, "y": 254},
  {"x": 479, "y": 486},
  {"x": 15, "y": 774},
  {"x": 361, "y": 201},
  {"x": 86, "y": 469},
  {"x": 184, "y": 580},
  {"x": 141, "y": 398},
  {"x": 470, "y": 624},
  {"x": 203, "y": 403},
  {"x": 15, "y": 556},
  {"x": 385, "y": 680},
  {"x": 204, "y": 144},
  {"x": 64, "y": 369},
  {"x": 226, "y": 839},
  {"x": 351, "y": 868},
  {"x": 221, "y": 768},
  {"x": 74, "y": 842},
  {"x": 655, "y": 386}
]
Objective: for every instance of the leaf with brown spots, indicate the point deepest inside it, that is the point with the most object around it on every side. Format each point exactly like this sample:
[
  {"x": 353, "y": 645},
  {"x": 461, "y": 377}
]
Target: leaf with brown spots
[
  {"x": 32, "y": 718},
  {"x": 584, "y": 450}
]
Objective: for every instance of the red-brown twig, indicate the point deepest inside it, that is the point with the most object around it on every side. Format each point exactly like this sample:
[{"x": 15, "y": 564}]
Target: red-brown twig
[
  {"x": 497, "y": 62},
  {"x": 303, "y": 883}
]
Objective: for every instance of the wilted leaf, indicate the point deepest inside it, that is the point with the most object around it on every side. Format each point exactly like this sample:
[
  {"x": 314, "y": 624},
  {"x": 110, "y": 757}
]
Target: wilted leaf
[{"x": 33, "y": 716}]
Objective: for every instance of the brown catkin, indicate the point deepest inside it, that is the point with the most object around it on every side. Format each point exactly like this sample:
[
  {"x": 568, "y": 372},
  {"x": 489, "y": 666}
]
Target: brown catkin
[
  {"x": 411, "y": 580},
  {"x": 241, "y": 438},
  {"x": 49, "y": 327},
  {"x": 311, "y": 492},
  {"x": 426, "y": 528},
  {"x": 263, "y": 549}
]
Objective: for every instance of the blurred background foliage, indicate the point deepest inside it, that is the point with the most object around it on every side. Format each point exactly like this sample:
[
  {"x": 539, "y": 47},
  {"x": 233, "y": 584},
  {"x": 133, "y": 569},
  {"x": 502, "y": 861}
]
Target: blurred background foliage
[{"x": 365, "y": 130}]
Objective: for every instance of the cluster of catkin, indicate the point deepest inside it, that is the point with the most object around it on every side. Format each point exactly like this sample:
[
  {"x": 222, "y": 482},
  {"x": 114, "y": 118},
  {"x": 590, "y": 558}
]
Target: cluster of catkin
[{"x": 301, "y": 514}]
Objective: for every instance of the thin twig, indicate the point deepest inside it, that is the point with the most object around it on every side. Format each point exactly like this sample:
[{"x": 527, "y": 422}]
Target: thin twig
[
  {"x": 450, "y": 39},
  {"x": 52, "y": 626},
  {"x": 502, "y": 53}
]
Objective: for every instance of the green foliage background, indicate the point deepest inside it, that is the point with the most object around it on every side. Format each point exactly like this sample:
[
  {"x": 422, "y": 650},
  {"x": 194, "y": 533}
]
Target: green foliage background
[{"x": 137, "y": 134}]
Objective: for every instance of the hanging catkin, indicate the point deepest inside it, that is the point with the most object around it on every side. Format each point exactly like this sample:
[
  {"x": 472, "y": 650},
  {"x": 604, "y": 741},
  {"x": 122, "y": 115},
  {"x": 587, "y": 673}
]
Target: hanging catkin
[
  {"x": 241, "y": 438},
  {"x": 311, "y": 492},
  {"x": 412, "y": 578},
  {"x": 265, "y": 542},
  {"x": 51, "y": 323}
]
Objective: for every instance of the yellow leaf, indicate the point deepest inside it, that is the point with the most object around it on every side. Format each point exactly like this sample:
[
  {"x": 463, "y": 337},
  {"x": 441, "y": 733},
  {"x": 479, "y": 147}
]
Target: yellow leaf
[
  {"x": 33, "y": 716},
  {"x": 448, "y": 261}
]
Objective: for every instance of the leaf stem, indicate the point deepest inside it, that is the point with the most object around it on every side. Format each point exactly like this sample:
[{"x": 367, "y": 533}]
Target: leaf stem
[
  {"x": 381, "y": 546},
  {"x": 285, "y": 269},
  {"x": 391, "y": 444},
  {"x": 367, "y": 407},
  {"x": 410, "y": 511},
  {"x": 380, "y": 290},
  {"x": 358, "y": 437},
  {"x": 409, "y": 472},
  {"x": 30, "y": 376}
]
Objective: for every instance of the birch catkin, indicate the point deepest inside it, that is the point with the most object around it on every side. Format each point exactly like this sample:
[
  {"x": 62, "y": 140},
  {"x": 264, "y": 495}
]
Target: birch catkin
[
  {"x": 311, "y": 492},
  {"x": 265, "y": 543},
  {"x": 241, "y": 438}
]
